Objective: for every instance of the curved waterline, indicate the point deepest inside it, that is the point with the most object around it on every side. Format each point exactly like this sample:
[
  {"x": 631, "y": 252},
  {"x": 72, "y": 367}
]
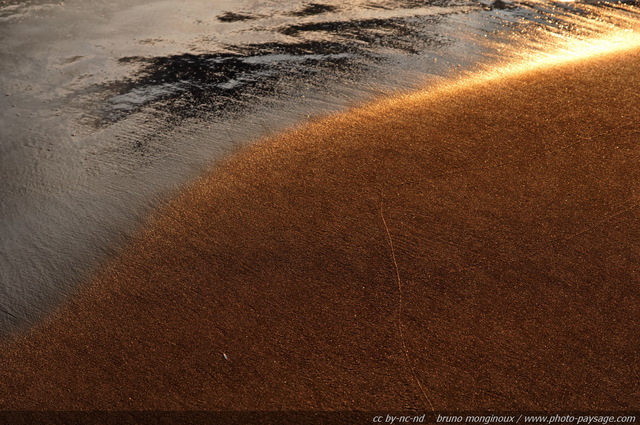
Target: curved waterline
[{"x": 268, "y": 283}]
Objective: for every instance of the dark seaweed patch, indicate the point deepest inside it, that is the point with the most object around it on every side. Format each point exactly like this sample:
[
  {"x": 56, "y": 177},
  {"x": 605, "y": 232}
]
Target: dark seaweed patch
[
  {"x": 502, "y": 5},
  {"x": 409, "y": 35},
  {"x": 189, "y": 85},
  {"x": 235, "y": 17},
  {"x": 314, "y": 9}
]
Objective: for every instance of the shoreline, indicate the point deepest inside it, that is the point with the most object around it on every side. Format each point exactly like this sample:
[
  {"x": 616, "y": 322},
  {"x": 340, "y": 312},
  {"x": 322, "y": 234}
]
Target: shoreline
[{"x": 468, "y": 250}]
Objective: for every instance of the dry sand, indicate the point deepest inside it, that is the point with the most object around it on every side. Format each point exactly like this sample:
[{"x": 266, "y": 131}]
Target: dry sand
[{"x": 472, "y": 248}]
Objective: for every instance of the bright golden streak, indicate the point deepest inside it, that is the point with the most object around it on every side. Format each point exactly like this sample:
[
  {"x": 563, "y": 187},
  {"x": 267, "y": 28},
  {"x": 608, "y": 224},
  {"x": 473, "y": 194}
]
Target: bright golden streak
[
  {"x": 565, "y": 51},
  {"x": 572, "y": 50}
]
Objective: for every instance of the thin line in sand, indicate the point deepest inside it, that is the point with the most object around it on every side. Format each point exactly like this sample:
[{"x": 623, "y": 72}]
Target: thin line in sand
[{"x": 400, "y": 306}]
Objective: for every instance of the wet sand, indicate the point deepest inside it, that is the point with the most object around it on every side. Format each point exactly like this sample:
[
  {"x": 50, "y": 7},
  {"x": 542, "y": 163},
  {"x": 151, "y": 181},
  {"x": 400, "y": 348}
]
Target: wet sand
[{"x": 474, "y": 247}]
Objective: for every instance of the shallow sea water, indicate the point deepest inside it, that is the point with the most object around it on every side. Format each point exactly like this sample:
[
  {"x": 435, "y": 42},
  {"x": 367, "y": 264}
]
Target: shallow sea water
[{"x": 109, "y": 107}]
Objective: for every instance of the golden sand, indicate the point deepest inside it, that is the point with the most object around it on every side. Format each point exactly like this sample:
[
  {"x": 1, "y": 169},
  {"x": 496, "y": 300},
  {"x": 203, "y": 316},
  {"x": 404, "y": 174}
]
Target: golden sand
[{"x": 474, "y": 248}]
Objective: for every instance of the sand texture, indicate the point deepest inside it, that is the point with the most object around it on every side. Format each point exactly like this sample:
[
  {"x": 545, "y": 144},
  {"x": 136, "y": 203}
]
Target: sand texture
[{"x": 475, "y": 247}]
